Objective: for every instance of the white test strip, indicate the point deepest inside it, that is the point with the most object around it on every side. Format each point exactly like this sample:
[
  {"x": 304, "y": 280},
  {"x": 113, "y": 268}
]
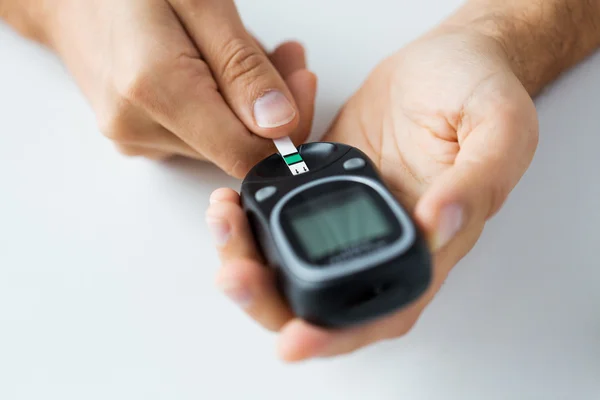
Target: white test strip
[{"x": 290, "y": 155}]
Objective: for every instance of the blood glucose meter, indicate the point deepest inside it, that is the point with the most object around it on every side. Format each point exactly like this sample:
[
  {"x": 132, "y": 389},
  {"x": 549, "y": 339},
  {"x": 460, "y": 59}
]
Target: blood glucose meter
[{"x": 343, "y": 249}]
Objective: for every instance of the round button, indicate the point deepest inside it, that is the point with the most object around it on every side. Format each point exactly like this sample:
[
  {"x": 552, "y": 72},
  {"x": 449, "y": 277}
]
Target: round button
[
  {"x": 354, "y": 163},
  {"x": 265, "y": 193}
]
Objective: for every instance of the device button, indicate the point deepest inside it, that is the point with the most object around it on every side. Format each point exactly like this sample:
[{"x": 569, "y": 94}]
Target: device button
[
  {"x": 265, "y": 193},
  {"x": 354, "y": 163}
]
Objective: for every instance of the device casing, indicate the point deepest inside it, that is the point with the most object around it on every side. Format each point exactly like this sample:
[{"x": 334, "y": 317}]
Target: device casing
[{"x": 347, "y": 300}]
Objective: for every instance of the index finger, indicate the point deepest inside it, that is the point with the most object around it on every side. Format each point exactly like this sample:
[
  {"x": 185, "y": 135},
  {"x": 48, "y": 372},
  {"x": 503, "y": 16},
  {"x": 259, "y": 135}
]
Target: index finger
[
  {"x": 243, "y": 277},
  {"x": 188, "y": 103}
]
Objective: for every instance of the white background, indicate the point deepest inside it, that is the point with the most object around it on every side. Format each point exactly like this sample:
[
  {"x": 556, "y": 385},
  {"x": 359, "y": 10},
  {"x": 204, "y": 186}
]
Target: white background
[{"x": 106, "y": 267}]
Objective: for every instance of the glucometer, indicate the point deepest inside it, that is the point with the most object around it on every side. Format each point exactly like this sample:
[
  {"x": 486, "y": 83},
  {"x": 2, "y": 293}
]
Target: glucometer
[{"x": 344, "y": 250}]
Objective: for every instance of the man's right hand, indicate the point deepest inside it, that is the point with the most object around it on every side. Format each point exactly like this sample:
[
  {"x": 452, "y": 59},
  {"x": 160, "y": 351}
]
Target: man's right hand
[{"x": 178, "y": 77}]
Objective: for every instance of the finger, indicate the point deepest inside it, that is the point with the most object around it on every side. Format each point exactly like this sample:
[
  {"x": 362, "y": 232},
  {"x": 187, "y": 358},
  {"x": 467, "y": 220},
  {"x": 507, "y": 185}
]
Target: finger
[
  {"x": 186, "y": 101},
  {"x": 303, "y": 85},
  {"x": 153, "y": 152},
  {"x": 229, "y": 227},
  {"x": 224, "y": 195},
  {"x": 248, "y": 81},
  {"x": 139, "y": 151},
  {"x": 243, "y": 277},
  {"x": 201, "y": 118},
  {"x": 251, "y": 286},
  {"x": 143, "y": 133},
  {"x": 288, "y": 58},
  {"x": 123, "y": 116},
  {"x": 492, "y": 159},
  {"x": 172, "y": 144}
]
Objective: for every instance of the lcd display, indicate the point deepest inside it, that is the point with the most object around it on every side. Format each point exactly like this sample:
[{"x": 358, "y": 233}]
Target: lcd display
[{"x": 337, "y": 221}]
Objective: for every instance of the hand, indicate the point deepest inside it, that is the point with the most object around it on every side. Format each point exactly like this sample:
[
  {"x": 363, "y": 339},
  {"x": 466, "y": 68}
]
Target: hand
[
  {"x": 183, "y": 78},
  {"x": 451, "y": 129}
]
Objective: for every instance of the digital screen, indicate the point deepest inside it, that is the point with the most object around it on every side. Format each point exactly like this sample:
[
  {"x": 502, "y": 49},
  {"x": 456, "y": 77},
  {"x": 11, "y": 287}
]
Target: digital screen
[{"x": 334, "y": 222}]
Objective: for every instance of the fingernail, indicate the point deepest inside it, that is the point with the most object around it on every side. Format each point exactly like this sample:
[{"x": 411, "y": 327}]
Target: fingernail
[
  {"x": 240, "y": 296},
  {"x": 273, "y": 109},
  {"x": 219, "y": 230},
  {"x": 450, "y": 222}
]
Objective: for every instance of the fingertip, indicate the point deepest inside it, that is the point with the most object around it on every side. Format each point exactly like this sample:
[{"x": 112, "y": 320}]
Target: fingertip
[
  {"x": 226, "y": 195},
  {"x": 292, "y": 46},
  {"x": 288, "y": 58},
  {"x": 303, "y": 80},
  {"x": 227, "y": 212}
]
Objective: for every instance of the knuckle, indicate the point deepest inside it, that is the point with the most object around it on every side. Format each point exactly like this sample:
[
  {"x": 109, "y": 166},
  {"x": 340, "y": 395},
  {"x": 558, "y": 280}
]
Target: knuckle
[
  {"x": 136, "y": 86},
  {"x": 113, "y": 126},
  {"x": 113, "y": 118},
  {"x": 242, "y": 62},
  {"x": 158, "y": 86},
  {"x": 108, "y": 126}
]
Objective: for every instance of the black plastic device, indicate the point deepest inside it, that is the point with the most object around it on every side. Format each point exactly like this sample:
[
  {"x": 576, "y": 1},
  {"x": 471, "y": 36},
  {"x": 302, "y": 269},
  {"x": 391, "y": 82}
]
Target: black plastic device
[{"x": 343, "y": 249}]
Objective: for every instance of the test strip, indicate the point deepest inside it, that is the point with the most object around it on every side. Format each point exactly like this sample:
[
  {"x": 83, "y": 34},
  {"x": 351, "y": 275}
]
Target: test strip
[{"x": 290, "y": 155}]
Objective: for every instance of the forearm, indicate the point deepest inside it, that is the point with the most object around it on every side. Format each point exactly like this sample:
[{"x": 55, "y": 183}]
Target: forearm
[
  {"x": 27, "y": 17},
  {"x": 542, "y": 38}
]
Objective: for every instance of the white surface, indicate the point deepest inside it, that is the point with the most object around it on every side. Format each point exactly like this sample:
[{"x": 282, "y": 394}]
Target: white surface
[{"x": 106, "y": 267}]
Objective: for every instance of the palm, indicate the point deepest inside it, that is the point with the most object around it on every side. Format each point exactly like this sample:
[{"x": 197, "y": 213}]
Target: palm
[
  {"x": 409, "y": 117},
  {"x": 416, "y": 114}
]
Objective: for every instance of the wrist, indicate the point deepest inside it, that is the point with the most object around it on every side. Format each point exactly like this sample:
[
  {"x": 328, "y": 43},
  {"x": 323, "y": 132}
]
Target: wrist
[{"x": 540, "y": 42}]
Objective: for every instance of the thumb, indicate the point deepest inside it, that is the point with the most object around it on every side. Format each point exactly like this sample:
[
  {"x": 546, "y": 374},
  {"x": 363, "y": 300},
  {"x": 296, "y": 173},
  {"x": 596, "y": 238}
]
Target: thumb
[
  {"x": 253, "y": 87},
  {"x": 491, "y": 161},
  {"x": 248, "y": 81}
]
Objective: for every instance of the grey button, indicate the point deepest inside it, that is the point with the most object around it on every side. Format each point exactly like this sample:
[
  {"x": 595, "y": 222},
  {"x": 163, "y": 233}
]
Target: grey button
[
  {"x": 354, "y": 163},
  {"x": 265, "y": 193}
]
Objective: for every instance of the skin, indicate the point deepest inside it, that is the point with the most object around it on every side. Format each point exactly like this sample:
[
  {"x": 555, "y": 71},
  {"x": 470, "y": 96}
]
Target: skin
[
  {"x": 449, "y": 120},
  {"x": 175, "y": 77},
  {"x": 452, "y": 126}
]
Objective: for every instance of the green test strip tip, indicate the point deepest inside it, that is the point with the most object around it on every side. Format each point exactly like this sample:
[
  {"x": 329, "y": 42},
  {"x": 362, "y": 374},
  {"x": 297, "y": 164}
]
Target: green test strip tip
[{"x": 292, "y": 159}]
